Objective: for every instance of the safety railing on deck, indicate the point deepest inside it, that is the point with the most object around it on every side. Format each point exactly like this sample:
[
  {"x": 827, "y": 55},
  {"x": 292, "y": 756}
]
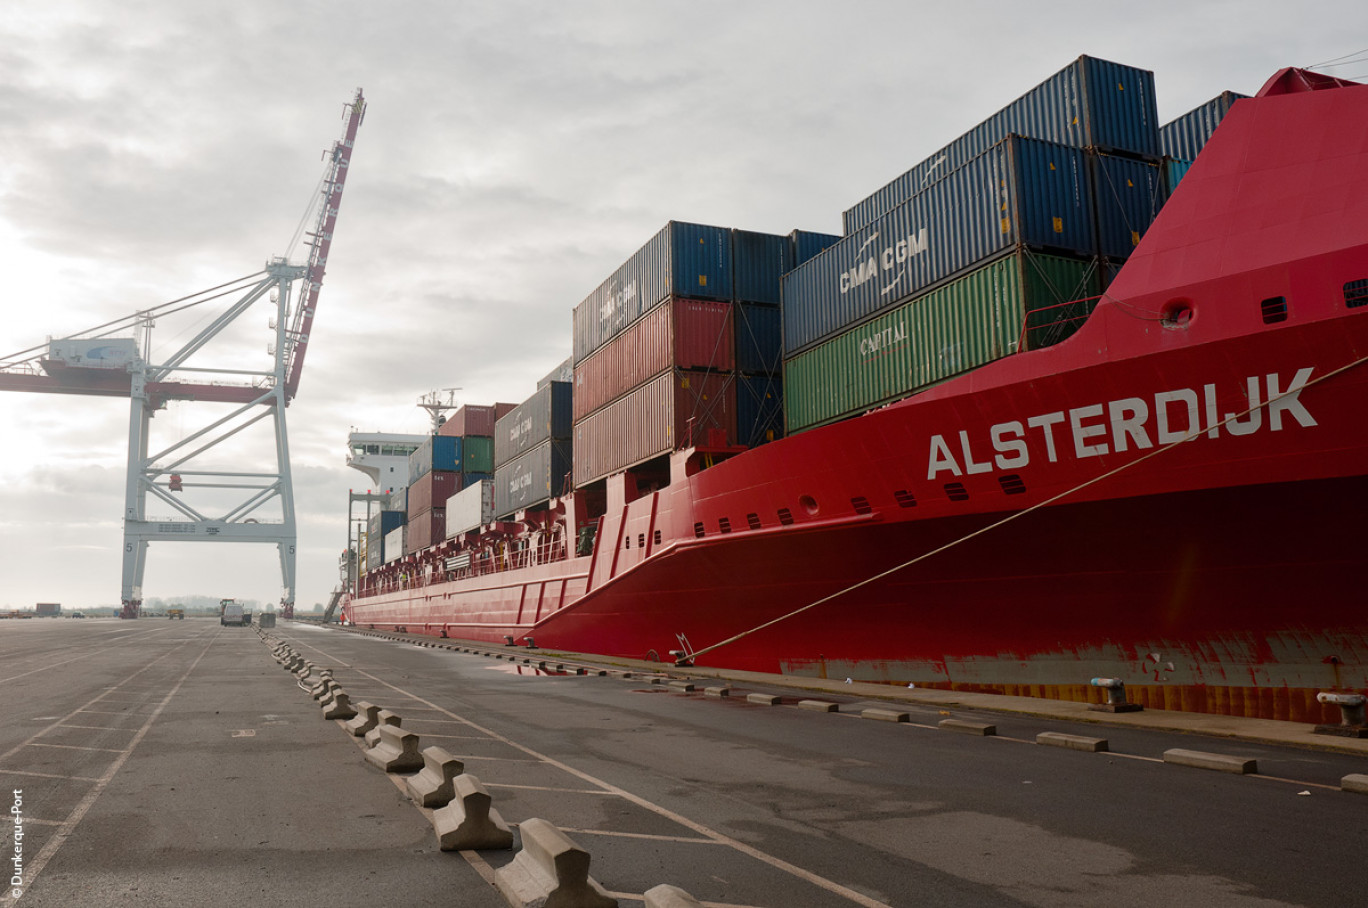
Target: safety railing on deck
[{"x": 1048, "y": 325}]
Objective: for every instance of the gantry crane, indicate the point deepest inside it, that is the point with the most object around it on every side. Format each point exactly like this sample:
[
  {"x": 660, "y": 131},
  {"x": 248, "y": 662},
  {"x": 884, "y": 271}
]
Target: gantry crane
[{"x": 102, "y": 361}]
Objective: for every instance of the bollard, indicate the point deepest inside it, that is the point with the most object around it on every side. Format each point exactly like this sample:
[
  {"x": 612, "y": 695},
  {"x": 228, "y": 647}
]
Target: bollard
[
  {"x": 396, "y": 751},
  {"x": 365, "y": 720},
  {"x": 382, "y": 718},
  {"x": 508, "y": 640},
  {"x": 667, "y": 896},
  {"x": 550, "y": 870},
  {"x": 468, "y": 823},
  {"x": 432, "y": 787},
  {"x": 1116, "y": 697},
  {"x": 1352, "y": 709},
  {"x": 340, "y": 707}
]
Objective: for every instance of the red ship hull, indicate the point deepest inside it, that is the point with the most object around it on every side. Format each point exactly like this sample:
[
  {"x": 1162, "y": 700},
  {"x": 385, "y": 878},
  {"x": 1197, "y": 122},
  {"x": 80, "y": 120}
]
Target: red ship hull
[{"x": 1171, "y": 497}]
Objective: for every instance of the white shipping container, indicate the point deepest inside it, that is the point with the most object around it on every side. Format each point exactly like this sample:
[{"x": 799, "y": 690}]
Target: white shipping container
[
  {"x": 394, "y": 544},
  {"x": 103, "y": 353},
  {"x": 470, "y": 508}
]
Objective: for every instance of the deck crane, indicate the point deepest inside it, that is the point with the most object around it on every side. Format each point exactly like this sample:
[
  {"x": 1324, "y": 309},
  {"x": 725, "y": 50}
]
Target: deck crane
[{"x": 102, "y": 361}]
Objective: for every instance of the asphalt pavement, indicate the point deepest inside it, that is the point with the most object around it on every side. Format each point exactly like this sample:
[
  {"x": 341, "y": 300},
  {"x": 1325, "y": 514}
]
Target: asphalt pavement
[{"x": 175, "y": 763}]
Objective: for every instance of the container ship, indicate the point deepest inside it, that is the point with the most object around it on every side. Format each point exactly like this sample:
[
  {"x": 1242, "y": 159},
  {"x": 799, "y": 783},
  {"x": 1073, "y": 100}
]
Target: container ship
[{"x": 1080, "y": 395}]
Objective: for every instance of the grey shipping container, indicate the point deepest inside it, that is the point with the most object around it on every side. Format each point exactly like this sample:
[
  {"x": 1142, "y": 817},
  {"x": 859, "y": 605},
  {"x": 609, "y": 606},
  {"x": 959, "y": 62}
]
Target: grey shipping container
[
  {"x": 437, "y": 452},
  {"x": 533, "y": 478},
  {"x": 564, "y": 372},
  {"x": 545, "y": 415},
  {"x": 690, "y": 260},
  {"x": 1021, "y": 193},
  {"x": 381, "y": 522},
  {"x": 1091, "y": 103},
  {"x": 1184, "y": 138}
]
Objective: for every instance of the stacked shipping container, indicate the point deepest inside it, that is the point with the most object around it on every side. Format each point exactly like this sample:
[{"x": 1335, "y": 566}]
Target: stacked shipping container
[
  {"x": 461, "y": 453},
  {"x": 669, "y": 376},
  {"x": 381, "y": 524},
  {"x": 532, "y": 449},
  {"x": 1091, "y": 103},
  {"x": 1033, "y": 208}
]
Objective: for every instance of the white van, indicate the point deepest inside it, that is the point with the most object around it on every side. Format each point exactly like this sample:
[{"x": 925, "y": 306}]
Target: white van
[{"x": 232, "y": 614}]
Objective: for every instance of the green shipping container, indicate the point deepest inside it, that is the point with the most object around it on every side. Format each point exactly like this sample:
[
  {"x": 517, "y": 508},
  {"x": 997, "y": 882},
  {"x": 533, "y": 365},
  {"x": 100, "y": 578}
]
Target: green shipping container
[
  {"x": 964, "y": 324},
  {"x": 479, "y": 453}
]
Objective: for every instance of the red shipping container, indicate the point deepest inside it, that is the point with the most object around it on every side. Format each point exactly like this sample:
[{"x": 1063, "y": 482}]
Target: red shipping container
[
  {"x": 424, "y": 529},
  {"x": 431, "y": 488},
  {"x": 474, "y": 419},
  {"x": 681, "y": 334},
  {"x": 679, "y": 409}
]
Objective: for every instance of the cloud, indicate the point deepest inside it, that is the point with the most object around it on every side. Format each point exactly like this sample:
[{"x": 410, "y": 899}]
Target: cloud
[{"x": 513, "y": 155}]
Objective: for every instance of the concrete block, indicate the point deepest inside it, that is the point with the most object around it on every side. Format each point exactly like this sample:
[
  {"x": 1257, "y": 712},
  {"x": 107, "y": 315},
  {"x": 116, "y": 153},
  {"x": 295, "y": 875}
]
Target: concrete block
[
  {"x": 1218, "y": 762},
  {"x": 820, "y": 706},
  {"x": 339, "y": 707},
  {"x": 762, "y": 699},
  {"x": 682, "y": 686},
  {"x": 396, "y": 750},
  {"x": 384, "y": 717},
  {"x": 366, "y": 719},
  {"x": 667, "y": 896},
  {"x": 432, "y": 787},
  {"x": 883, "y": 715},
  {"x": 717, "y": 691},
  {"x": 550, "y": 870},
  {"x": 468, "y": 823},
  {"x": 1355, "y": 782},
  {"x": 965, "y": 727},
  {"x": 1072, "y": 742}
]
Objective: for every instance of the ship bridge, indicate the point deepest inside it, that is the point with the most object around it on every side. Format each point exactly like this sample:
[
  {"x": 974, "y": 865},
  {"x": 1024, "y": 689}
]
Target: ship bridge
[{"x": 382, "y": 456}]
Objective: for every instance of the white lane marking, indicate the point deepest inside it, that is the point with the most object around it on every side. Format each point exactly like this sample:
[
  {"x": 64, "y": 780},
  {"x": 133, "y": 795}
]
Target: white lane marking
[
  {"x": 581, "y": 791},
  {"x": 108, "y": 750},
  {"x": 858, "y": 898},
  {"x": 688, "y": 840},
  {"x": 45, "y": 775},
  {"x": 36, "y": 866},
  {"x": 68, "y": 661},
  {"x": 93, "y": 727}
]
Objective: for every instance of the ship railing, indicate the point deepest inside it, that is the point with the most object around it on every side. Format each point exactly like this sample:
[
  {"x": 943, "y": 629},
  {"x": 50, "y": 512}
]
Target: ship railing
[{"x": 1048, "y": 325}]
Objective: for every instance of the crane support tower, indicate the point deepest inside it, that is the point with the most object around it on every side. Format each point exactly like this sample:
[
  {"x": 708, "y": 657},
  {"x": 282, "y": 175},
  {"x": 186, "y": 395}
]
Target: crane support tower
[{"x": 101, "y": 362}]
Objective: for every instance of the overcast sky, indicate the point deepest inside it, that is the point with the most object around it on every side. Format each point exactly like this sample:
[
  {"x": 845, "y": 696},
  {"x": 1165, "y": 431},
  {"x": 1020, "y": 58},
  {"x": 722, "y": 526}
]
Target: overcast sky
[{"x": 514, "y": 154}]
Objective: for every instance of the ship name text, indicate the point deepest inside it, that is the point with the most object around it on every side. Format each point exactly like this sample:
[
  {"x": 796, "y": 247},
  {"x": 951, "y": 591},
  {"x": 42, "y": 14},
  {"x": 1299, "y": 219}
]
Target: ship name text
[{"x": 1131, "y": 423}]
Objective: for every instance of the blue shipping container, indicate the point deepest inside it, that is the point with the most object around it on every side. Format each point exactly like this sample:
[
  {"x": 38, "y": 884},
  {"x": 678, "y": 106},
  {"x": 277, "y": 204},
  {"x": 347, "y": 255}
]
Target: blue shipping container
[
  {"x": 688, "y": 260},
  {"x": 759, "y": 409},
  {"x": 1129, "y": 194},
  {"x": 759, "y": 260},
  {"x": 1184, "y": 137},
  {"x": 1021, "y": 193},
  {"x": 1173, "y": 173},
  {"x": 548, "y": 413},
  {"x": 438, "y": 452},
  {"x": 807, "y": 244},
  {"x": 759, "y": 339},
  {"x": 1091, "y": 103}
]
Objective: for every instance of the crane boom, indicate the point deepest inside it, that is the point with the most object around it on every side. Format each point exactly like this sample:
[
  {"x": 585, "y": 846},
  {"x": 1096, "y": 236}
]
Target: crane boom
[{"x": 321, "y": 242}]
